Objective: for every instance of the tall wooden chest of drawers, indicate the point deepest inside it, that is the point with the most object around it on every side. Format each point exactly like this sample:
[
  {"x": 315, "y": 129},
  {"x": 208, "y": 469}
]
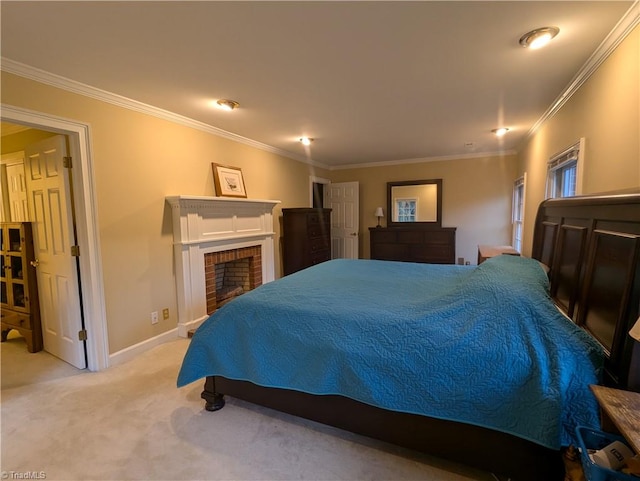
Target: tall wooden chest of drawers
[{"x": 306, "y": 238}]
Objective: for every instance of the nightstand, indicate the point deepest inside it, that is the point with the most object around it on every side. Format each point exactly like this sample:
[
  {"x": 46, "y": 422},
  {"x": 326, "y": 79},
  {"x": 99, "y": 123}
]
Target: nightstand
[
  {"x": 487, "y": 251},
  {"x": 620, "y": 412}
]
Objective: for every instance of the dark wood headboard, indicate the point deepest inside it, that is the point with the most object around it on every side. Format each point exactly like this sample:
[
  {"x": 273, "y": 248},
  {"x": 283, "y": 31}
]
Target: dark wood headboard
[{"x": 591, "y": 245}]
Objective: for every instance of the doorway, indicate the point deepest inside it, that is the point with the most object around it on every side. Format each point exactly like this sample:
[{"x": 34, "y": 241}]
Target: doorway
[
  {"x": 343, "y": 200},
  {"x": 89, "y": 261},
  {"x": 41, "y": 186}
]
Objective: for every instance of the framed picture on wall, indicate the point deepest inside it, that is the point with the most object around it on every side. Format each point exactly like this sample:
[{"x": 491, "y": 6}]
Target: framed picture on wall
[{"x": 228, "y": 181}]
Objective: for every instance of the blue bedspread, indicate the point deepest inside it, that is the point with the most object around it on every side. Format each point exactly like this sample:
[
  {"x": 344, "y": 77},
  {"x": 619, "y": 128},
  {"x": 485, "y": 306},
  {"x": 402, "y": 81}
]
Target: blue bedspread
[{"x": 482, "y": 345}]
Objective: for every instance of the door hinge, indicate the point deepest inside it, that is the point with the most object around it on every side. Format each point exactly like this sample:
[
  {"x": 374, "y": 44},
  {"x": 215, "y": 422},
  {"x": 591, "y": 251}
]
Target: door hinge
[
  {"x": 82, "y": 335},
  {"x": 66, "y": 161},
  {"x": 75, "y": 251}
]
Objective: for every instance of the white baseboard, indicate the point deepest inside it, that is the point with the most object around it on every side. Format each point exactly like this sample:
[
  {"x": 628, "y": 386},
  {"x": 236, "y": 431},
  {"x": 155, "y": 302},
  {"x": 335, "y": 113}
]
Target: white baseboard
[
  {"x": 130, "y": 352},
  {"x": 185, "y": 327}
]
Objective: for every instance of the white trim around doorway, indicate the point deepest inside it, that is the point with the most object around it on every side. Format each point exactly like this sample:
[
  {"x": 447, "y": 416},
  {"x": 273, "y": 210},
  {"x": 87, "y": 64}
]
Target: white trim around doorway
[
  {"x": 86, "y": 223},
  {"x": 315, "y": 180}
]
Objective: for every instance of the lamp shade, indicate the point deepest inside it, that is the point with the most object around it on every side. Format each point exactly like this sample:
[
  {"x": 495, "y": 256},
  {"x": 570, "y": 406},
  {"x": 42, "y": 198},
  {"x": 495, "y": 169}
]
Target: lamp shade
[
  {"x": 379, "y": 212},
  {"x": 635, "y": 331}
]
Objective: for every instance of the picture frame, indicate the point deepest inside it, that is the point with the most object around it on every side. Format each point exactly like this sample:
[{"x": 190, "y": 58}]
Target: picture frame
[{"x": 228, "y": 181}]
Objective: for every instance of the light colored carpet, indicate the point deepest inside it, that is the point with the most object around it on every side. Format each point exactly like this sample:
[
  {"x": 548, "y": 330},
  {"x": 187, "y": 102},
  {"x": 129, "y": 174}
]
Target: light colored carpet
[
  {"x": 130, "y": 422},
  {"x": 23, "y": 367}
]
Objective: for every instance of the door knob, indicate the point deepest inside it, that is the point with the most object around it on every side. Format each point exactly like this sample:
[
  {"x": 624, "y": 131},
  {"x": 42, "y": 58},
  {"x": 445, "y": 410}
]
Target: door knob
[{"x": 35, "y": 263}]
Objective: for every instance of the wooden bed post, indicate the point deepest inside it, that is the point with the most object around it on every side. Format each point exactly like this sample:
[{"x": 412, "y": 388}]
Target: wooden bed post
[{"x": 214, "y": 400}]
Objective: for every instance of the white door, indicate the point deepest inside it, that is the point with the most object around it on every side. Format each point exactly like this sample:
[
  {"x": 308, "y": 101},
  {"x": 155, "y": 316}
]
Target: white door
[
  {"x": 343, "y": 199},
  {"x": 49, "y": 192}
]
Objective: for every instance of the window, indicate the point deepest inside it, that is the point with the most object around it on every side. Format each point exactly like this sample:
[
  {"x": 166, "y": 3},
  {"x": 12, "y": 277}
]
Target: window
[
  {"x": 406, "y": 209},
  {"x": 518, "y": 212},
  {"x": 562, "y": 172}
]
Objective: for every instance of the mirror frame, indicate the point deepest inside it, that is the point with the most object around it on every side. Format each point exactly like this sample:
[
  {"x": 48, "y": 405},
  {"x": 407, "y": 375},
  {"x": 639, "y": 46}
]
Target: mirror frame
[{"x": 436, "y": 223}]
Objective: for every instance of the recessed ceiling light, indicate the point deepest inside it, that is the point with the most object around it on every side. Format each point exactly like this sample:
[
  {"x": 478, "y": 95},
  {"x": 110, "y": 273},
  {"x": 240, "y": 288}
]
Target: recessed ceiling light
[
  {"x": 539, "y": 37},
  {"x": 228, "y": 105},
  {"x": 306, "y": 140},
  {"x": 500, "y": 132}
]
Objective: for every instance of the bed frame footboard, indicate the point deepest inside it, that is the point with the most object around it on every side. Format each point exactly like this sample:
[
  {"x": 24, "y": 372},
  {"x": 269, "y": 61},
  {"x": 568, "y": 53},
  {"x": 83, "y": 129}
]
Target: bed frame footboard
[{"x": 474, "y": 446}]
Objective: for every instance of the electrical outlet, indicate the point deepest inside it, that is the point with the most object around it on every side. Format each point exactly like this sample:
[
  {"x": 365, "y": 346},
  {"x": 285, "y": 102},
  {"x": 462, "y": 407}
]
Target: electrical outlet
[
  {"x": 165, "y": 313},
  {"x": 154, "y": 317},
  {"x": 460, "y": 261}
]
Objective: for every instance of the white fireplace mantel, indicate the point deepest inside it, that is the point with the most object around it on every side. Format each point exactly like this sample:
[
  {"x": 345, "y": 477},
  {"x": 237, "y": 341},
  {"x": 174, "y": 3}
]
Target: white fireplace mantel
[{"x": 211, "y": 224}]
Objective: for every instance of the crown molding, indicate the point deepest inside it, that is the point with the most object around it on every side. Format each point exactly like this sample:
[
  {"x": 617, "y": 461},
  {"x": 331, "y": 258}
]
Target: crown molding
[
  {"x": 48, "y": 78},
  {"x": 624, "y": 27},
  {"x": 475, "y": 155}
]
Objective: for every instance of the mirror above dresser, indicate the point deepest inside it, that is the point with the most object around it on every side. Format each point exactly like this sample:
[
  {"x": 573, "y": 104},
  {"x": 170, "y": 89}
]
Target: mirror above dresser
[{"x": 414, "y": 202}]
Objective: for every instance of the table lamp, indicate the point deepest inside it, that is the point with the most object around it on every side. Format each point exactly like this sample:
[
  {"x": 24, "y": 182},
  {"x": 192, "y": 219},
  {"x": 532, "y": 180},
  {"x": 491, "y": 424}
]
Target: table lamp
[{"x": 379, "y": 214}]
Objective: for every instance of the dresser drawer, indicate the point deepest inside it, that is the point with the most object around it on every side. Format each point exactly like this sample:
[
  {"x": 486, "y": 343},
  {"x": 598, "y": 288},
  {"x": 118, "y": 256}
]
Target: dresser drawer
[
  {"x": 389, "y": 252},
  {"x": 318, "y": 244},
  {"x": 382, "y": 236},
  {"x": 410, "y": 237},
  {"x": 433, "y": 253},
  {"x": 320, "y": 256},
  {"x": 317, "y": 230},
  {"x": 16, "y": 319},
  {"x": 438, "y": 237},
  {"x": 318, "y": 218}
]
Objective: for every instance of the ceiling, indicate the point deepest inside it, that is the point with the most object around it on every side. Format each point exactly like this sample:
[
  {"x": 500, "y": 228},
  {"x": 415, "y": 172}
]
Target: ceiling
[{"x": 370, "y": 81}]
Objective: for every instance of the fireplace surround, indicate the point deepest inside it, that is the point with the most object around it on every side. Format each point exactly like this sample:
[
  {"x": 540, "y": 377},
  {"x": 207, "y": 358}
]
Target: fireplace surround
[{"x": 202, "y": 226}]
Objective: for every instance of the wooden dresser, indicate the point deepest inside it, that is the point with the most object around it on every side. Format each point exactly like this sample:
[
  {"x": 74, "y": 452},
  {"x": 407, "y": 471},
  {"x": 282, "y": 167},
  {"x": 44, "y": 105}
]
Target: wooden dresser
[
  {"x": 306, "y": 238},
  {"x": 20, "y": 304},
  {"x": 431, "y": 245}
]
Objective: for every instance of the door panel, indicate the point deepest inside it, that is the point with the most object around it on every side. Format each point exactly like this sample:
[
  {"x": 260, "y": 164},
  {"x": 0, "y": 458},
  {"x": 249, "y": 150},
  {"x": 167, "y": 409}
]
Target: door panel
[
  {"x": 58, "y": 284},
  {"x": 17, "y": 193}
]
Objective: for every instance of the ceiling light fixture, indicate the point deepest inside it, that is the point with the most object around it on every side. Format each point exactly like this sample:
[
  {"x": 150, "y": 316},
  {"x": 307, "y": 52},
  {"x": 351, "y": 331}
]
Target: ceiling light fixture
[
  {"x": 306, "y": 140},
  {"x": 500, "y": 132},
  {"x": 539, "y": 37},
  {"x": 228, "y": 105}
]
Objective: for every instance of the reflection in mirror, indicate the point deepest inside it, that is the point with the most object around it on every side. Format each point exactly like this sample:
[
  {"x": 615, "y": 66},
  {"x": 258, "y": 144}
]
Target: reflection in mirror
[{"x": 417, "y": 201}]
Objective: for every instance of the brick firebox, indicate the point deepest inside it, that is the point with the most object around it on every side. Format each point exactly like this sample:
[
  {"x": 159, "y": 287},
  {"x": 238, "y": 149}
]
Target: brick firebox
[{"x": 243, "y": 267}]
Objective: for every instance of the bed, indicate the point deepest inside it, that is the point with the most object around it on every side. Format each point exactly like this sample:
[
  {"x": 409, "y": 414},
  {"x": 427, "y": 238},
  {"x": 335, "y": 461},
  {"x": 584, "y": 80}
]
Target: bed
[{"x": 486, "y": 365}]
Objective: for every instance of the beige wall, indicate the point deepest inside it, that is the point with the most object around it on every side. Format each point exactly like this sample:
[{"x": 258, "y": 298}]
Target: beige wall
[
  {"x": 138, "y": 161},
  {"x": 476, "y": 197},
  {"x": 606, "y": 112}
]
